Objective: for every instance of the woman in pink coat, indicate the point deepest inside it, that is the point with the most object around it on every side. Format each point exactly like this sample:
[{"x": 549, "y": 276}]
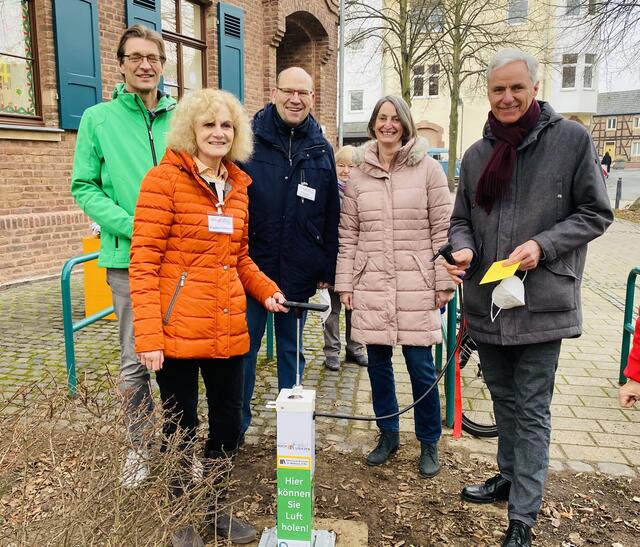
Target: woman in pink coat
[{"x": 395, "y": 215}]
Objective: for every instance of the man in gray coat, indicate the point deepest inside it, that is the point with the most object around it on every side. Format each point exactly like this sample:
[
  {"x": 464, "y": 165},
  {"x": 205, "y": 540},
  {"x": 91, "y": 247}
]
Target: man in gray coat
[{"x": 531, "y": 192}]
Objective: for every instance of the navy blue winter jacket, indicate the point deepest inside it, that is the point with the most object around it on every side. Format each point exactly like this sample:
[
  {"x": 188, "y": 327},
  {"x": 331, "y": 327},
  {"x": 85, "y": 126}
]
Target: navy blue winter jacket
[{"x": 293, "y": 240}]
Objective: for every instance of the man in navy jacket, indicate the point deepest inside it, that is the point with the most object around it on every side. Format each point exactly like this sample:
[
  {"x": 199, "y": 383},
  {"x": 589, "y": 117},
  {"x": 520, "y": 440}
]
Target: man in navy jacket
[{"x": 294, "y": 211}]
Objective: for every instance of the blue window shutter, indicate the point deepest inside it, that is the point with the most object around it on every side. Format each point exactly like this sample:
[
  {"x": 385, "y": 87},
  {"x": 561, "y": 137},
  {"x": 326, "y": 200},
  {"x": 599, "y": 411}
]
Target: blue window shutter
[
  {"x": 144, "y": 12},
  {"x": 77, "y": 58},
  {"x": 231, "y": 49}
]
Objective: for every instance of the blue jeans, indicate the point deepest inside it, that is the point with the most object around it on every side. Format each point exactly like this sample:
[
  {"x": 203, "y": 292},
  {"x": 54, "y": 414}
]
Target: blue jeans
[
  {"x": 285, "y": 331},
  {"x": 422, "y": 372}
]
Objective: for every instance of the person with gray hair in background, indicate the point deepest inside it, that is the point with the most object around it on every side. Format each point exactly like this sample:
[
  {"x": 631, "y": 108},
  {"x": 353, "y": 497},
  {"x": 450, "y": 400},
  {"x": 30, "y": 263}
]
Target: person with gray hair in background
[
  {"x": 355, "y": 352},
  {"x": 532, "y": 193}
]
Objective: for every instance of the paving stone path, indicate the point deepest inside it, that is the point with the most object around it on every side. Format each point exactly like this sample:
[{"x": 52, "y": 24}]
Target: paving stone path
[{"x": 590, "y": 432}]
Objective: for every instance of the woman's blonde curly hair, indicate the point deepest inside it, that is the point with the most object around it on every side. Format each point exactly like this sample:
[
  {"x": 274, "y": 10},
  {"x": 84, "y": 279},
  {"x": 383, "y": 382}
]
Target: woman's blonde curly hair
[{"x": 202, "y": 106}]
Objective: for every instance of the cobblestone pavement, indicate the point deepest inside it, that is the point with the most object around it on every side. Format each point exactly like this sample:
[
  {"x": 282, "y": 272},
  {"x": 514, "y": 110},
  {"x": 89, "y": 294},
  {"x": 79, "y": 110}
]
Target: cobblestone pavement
[{"x": 590, "y": 432}]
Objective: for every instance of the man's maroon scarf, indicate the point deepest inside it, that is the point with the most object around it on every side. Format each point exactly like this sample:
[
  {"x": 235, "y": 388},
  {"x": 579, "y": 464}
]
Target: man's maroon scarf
[{"x": 495, "y": 179}]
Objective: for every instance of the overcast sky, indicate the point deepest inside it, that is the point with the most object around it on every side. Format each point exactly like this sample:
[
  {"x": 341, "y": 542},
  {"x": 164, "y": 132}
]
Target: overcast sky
[{"x": 621, "y": 71}]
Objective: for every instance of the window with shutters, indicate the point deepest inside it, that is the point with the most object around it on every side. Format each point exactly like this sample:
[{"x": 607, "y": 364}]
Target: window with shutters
[
  {"x": 231, "y": 49},
  {"x": 183, "y": 31},
  {"x": 19, "y": 82}
]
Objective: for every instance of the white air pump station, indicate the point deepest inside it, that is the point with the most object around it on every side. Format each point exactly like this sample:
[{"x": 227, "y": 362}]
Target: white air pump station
[{"x": 295, "y": 460}]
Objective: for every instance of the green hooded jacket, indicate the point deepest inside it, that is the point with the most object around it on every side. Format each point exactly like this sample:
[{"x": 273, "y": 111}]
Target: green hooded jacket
[{"x": 118, "y": 142}]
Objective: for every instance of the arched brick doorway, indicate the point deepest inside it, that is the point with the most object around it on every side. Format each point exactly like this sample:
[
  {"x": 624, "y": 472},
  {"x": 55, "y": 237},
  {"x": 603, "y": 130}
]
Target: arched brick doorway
[{"x": 432, "y": 132}]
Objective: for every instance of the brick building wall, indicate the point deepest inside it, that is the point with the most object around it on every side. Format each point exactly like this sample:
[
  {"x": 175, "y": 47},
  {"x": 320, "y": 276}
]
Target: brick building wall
[{"x": 40, "y": 225}]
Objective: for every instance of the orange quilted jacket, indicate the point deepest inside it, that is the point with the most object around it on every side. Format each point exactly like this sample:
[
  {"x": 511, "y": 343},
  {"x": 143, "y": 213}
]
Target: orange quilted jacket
[{"x": 188, "y": 283}]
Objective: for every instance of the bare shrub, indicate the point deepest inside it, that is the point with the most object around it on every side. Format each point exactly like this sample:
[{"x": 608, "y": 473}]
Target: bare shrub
[{"x": 60, "y": 473}]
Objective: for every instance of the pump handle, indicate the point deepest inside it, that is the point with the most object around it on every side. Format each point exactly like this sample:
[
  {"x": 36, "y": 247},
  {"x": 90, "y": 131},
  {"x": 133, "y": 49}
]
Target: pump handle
[
  {"x": 445, "y": 252},
  {"x": 305, "y": 306}
]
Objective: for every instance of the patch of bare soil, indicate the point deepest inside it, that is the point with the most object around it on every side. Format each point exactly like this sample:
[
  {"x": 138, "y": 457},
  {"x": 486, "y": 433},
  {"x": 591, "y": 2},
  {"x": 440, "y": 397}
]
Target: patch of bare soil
[
  {"x": 628, "y": 214},
  {"x": 401, "y": 509}
]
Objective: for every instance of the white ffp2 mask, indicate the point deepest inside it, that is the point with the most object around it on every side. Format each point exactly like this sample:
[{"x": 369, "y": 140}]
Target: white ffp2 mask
[{"x": 508, "y": 294}]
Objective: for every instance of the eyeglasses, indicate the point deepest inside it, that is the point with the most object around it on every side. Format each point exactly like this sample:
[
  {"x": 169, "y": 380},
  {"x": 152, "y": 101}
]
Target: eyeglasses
[
  {"x": 302, "y": 93},
  {"x": 136, "y": 58},
  {"x": 345, "y": 165}
]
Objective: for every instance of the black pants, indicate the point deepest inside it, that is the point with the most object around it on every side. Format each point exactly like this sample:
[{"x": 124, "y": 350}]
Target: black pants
[{"x": 223, "y": 381}]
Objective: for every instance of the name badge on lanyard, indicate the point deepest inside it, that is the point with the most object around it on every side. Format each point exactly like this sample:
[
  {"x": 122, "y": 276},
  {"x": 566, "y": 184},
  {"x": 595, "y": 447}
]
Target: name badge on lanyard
[
  {"x": 306, "y": 192},
  {"x": 220, "y": 224}
]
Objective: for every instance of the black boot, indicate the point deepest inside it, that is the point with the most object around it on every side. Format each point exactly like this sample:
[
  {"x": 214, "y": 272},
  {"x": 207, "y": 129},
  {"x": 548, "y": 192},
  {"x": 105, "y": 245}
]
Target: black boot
[
  {"x": 518, "y": 535},
  {"x": 429, "y": 465},
  {"x": 219, "y": 518},
  {"x": 388, "y": 443},
  {"x": 494, "y": 489}
]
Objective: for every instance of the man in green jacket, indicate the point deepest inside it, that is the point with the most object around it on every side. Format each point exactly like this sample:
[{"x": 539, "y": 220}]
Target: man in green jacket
[{"x": 117, "y": 143}]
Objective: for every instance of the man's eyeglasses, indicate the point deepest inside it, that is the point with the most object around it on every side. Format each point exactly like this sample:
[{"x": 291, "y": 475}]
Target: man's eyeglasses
[
  {"x": 136, "y": 58},
  {"x": 302, "y": 93}
]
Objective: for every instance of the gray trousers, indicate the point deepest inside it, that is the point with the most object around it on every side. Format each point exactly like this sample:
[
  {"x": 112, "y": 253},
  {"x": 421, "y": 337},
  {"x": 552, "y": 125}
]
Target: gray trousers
[
  {"x": 332, "y": 330},
  {"x": 521, "y": 379},
  {"x": 133, "y": 377}
]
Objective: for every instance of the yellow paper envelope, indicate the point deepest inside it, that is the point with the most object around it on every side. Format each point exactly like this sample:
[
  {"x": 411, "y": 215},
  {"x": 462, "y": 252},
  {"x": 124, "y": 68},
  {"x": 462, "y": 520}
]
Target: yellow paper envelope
[{"x": 497, "y": 272}]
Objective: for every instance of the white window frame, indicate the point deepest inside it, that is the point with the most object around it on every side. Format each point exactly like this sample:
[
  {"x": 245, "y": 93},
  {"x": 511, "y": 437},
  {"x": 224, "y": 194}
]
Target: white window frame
[
  {"x": 351, "y": 93},
  {"x": 569, "y": 65},
  {"x": 635, "y": 148},
  {"x": 612, "y": 123},
  {"x": 414, "y": 77},
  {"x": 430, "y": 75},
  {"x": 636, "y": 122},
  {"x": 592, "y": 66}
]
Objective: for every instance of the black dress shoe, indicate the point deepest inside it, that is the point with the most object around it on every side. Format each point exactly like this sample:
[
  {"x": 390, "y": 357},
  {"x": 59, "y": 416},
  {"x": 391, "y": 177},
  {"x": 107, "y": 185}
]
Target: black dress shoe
[
  {"x": 494, "y": 489},
  {"x": 518, "y": 535}
]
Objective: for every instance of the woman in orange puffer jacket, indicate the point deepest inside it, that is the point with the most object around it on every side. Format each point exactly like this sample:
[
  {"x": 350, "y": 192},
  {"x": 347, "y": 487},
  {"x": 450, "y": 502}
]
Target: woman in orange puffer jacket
[{"x": 189, "y": 271}]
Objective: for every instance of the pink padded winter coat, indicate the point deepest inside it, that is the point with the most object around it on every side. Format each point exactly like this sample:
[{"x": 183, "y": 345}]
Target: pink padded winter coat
[{"x": 391, "y": 224}]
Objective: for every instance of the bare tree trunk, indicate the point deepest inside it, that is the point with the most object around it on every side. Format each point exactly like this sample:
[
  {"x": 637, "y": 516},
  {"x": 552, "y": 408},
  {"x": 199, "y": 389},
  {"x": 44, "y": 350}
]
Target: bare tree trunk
[{"x": 453, "y": 116}]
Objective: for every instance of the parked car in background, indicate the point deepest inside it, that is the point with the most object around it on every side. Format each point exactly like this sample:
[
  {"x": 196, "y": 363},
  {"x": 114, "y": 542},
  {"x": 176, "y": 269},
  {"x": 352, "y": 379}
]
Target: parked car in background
[{"x": 441, "y": 155}]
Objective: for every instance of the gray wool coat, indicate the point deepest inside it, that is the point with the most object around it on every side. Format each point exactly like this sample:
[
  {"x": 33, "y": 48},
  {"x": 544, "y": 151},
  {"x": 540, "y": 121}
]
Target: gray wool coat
[
  {"x": 557, "y": 198},
  {"x": 390, "y": 226}
]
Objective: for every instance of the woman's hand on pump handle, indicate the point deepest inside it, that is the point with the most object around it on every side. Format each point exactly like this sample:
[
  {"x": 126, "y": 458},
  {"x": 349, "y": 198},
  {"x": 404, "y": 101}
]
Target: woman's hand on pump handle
[
  {"x": 463, "y": 259},
  {"x": 275, "y": 303},
  {"x": 152, "y": 359}
]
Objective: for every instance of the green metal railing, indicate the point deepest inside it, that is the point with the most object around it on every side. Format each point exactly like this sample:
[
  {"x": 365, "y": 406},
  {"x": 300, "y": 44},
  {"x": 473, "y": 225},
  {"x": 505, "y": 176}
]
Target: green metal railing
[
  {"x": 70, "y": 328},
  {"x": 627, "y": 326}
]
